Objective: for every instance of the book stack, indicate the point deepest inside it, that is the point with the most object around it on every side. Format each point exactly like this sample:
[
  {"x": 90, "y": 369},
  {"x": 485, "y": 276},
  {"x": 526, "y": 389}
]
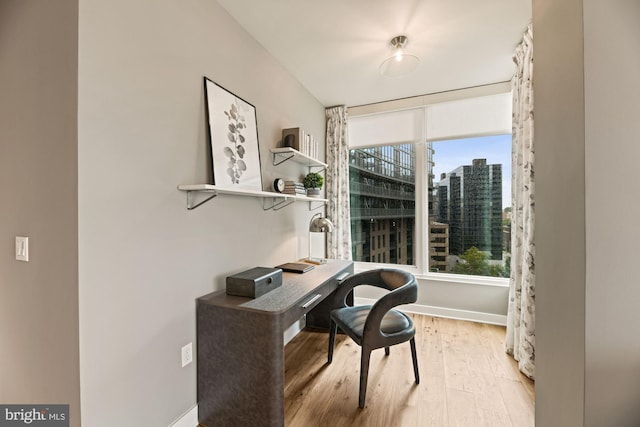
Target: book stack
[
  {"x": 309, "y": 146},
  {"x": 295, "y": 188}
]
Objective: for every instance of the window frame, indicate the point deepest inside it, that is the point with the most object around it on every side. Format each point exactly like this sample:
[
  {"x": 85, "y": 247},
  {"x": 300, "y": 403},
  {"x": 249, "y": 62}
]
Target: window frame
[{"x": 422, "y": 244}]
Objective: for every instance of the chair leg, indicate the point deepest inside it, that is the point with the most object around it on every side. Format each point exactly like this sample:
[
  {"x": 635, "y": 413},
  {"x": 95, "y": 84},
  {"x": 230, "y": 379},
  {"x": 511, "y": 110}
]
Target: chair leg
[
  {"x": 386, "y": 351},
  {"x": 415, "y": 359},
  {"x": 332, "y": 338},
  {"x": 364, "y": 374}
]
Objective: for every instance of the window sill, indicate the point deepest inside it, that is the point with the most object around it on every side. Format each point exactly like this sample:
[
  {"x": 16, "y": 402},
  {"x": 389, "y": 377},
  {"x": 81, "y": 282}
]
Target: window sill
[{"x": 500, "y": 282}]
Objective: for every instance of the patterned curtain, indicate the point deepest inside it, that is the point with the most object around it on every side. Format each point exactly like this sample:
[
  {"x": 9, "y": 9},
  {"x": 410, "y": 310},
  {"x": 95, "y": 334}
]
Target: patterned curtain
[
  {"x": 520, "y": 339},
  {"x": 339, "y": 241}
]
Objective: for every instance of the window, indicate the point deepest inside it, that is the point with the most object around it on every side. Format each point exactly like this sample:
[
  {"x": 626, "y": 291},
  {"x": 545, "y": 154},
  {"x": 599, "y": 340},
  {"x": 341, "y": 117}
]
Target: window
[
  {"x": 469, "y": 190},
  {"x": 430, "y": 195},
  {"x": 382, "y": 196}
]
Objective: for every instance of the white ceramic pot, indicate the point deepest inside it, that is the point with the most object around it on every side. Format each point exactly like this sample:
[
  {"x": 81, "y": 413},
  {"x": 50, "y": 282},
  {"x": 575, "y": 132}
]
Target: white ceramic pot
[{"x": 313, "y": 192}]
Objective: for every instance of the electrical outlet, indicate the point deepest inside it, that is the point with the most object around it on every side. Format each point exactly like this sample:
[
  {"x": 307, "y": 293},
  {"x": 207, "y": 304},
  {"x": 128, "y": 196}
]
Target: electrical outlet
[{"x": 187, "y": 354}]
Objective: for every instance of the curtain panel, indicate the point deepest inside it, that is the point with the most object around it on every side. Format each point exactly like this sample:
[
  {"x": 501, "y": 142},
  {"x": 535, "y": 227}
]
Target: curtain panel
[
  {"x": 337, "y": 177},
  {"x": 520, "y": 339}
]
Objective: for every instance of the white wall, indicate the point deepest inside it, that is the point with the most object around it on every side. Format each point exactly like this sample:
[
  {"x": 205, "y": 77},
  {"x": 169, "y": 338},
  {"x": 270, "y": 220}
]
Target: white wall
[
  {"x": 612, "y": 148},
  {"x": 38, "y": 199},
  {"x": 144, "y": 258}
]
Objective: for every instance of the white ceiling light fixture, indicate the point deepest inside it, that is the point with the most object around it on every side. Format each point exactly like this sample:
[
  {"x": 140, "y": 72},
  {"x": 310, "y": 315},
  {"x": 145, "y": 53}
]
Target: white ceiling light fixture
[{"x": 401, "y": 63}]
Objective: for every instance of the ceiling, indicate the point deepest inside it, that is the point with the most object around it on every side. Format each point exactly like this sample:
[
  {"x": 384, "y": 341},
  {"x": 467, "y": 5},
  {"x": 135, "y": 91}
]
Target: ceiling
[{"x": 335, "y": 47}]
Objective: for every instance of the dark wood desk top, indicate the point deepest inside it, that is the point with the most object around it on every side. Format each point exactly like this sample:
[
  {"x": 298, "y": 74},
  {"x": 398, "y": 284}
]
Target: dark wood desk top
[{"x": 295, "y": 288}]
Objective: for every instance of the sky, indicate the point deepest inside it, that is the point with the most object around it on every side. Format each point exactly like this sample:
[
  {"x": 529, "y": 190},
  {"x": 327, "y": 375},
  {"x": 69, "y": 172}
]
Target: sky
[{"x": 449, "y": 155}]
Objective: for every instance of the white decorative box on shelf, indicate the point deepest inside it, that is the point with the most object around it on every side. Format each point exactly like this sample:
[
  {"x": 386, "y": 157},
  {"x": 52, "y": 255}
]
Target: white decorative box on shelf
[{"x": 206, "y": 192}]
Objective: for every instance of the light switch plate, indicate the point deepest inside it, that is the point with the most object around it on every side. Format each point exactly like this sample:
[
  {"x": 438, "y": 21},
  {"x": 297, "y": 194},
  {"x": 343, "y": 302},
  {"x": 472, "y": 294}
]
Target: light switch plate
[{"x": 22, "y": 248}]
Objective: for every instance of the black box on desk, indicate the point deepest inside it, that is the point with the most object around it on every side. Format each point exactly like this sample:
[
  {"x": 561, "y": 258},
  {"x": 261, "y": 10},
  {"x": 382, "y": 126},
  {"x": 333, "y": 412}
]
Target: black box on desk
[{"x": 254, "y": 282}]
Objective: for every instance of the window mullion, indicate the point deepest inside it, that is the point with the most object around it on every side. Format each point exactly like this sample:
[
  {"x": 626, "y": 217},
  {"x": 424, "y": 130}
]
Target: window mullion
[{"x": 421, "y": 240}]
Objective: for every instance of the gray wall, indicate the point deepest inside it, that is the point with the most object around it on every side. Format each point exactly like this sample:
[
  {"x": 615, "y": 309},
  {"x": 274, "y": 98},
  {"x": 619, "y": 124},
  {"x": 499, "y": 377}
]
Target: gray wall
[
  {"x": 612, "y": 108},
  {"x": 38, "y": 186},
  {"x": 586, "y": 100},
  {"x": 560, "y": 213},
  {"x": 144, "y": 258}
]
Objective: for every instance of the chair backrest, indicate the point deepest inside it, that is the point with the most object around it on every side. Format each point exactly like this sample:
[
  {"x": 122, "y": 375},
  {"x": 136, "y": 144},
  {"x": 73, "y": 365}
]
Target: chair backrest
[
  {"x": 403, "y": 289},
  {"x": 402, "y": 285},
  {"x": 396, "y": 281}
]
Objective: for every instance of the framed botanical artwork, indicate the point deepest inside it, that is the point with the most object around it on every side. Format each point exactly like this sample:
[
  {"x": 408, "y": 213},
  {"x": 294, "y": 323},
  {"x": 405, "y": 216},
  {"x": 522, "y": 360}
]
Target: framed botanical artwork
[{"x": 233, "y": 134}]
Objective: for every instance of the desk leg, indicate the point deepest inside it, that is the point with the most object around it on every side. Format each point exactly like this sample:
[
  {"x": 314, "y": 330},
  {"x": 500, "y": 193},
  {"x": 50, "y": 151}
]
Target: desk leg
[{"x": 240, "y": 368}]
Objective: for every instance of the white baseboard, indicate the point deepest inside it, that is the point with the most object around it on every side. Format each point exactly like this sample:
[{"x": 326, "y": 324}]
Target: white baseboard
[
  {"x": 449, "y": 313},
  {"x": 190, "y": 419}
]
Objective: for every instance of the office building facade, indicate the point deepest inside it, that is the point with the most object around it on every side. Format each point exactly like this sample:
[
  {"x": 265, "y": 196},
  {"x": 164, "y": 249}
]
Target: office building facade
[
  {"x": 382, "y": 196},
  {"x": 469, "y": 200}
]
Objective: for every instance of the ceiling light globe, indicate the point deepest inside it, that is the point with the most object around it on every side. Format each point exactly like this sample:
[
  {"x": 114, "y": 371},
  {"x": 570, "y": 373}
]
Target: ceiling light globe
[
  {"x": 401, "y": 63},
  {"x": 394, "y": 68}
]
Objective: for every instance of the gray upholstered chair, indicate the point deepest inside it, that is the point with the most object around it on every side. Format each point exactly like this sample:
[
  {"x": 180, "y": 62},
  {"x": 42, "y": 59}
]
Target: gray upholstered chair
[{"x": 379, "y": 325}]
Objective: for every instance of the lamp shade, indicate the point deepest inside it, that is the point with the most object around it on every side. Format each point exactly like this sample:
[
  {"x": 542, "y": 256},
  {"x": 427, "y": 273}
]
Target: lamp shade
[{"x": 320, "y": 224}]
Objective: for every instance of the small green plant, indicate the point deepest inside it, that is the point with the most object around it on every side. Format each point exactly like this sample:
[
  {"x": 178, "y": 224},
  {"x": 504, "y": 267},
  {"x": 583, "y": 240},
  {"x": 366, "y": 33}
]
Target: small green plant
[{"x": 313, "y": 180}]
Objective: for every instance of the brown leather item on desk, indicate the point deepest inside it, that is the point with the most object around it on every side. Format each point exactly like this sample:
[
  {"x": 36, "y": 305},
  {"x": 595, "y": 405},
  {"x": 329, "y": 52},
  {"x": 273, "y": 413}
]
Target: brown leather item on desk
[{"x": 296, "y": 267}]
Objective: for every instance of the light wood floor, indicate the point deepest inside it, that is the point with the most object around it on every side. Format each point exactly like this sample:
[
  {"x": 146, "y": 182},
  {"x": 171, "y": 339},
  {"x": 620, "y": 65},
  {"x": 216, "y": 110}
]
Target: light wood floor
[{"x": 466, "y": 379}]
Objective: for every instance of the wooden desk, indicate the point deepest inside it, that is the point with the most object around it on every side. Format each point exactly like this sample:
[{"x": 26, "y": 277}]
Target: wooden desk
[{"x": 241, "y": 346}]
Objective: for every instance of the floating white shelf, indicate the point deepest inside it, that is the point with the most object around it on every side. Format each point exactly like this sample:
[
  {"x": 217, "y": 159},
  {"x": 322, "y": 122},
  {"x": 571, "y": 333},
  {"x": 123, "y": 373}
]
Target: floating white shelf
[
  {"x": 281, "y": 155},
  {"x": 206, "y": 192}
]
